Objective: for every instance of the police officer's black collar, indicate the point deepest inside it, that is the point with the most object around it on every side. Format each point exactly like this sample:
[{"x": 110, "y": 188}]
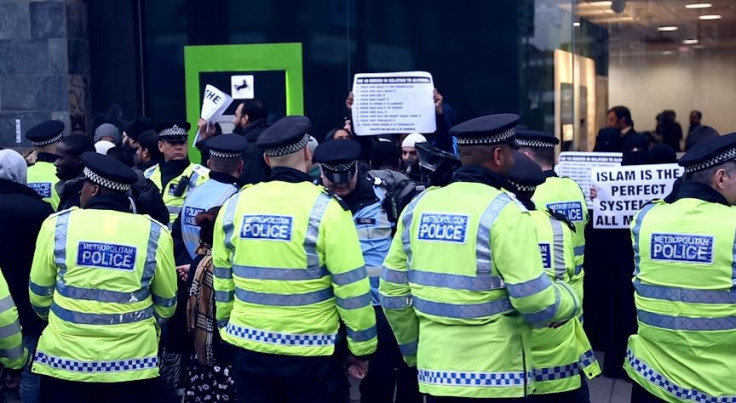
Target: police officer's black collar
[
  {"x": 694, "y": 190},
  {"x": 47, "y": 157},
  {"x": 550, "y": 174},
  {"x": 174, "y": 167},
  {"x": 116, "y": 202},
  {"x": 291, "y": 175},
  {"x": 479, "y": 174},
  {"x": 362, "y": 196},
  {"x": 225, "y": 178}
]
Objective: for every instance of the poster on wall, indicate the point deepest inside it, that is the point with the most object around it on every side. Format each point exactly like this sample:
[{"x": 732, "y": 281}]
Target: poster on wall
[
  {"x": 578, "y": 166},
  {"x": 242, "y": 87},
  {"x": 622, "y": 191},
  {"x": 386, "y": 103}
]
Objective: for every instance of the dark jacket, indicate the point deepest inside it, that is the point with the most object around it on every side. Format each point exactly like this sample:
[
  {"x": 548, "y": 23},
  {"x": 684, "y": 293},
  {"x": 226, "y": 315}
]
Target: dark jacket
[
  {"x": 255, "y": 168},
  {"x": 69, "y": 192},
  {"x": 21, "y": 212},
  {"x": 148, "y": 199}
]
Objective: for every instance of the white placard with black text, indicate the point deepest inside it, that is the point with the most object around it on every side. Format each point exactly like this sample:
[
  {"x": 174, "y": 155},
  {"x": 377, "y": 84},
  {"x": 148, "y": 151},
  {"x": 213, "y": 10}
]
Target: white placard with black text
[
  {"x": 388, "y": 103},
  {"x": 577, "y": 166}
]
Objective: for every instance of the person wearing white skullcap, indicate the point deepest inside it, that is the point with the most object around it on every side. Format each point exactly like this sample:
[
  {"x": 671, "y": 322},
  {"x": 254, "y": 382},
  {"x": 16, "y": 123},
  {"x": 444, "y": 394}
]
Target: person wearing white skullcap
[{"x": 408, "y": 149}]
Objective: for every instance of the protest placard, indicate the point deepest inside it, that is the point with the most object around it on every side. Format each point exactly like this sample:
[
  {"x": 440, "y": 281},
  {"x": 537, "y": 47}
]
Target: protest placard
[
  {"x": 578, "y": 165},
  {"x": 623, "y": 190},
  {"x": 214, "y": 104},
  {"x": 385, "y": 103}
]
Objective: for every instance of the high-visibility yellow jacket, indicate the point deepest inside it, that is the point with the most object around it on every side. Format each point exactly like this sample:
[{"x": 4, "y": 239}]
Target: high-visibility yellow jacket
[
  {"x": 12, "y": 353},
  {"x": 193, "y": 176},
  {"x": 564, "y": 196},
  {"x": 460, "y": 285},
  {"x": 559, "y": 354},
  {"x": 685, "y": 283},
  {"x": 102, "y": 278},
  {"x": 288, "y": 267},
  {"x": 42, "y": 178}
]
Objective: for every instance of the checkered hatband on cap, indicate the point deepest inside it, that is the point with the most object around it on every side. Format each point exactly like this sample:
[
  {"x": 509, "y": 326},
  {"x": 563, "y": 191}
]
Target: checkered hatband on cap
[
  {"x": 339, "y": 167},
  {"x": 47, "y": 141},
  {"x": 534, "y": 143},
  {"x": 522, "y": 188},
  {"x": 89, "y": 174},
  {"x": 174, "y": 131},
  {"x": 486, "y": 140},
  {"x": 221, "y": 154},
  {"x": 711, "y": 162},
  {"x": 287, "y": 149}
]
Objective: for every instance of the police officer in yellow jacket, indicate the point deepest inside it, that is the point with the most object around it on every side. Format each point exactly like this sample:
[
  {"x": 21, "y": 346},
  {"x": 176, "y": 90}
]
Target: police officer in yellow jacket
[
  {"x": 562, "y": 195},
  {"x": 463, "y": 279},
  {"x": 684, "y": 281},
  {"x": 561, "y": 353},
  {"x": 288, "y": 269},
  {"x": 12, "y": 353},
  {"x": 102, "y": 276},
  {"x": 42, "y": 175},
  {"x": 176, "y": 176}
]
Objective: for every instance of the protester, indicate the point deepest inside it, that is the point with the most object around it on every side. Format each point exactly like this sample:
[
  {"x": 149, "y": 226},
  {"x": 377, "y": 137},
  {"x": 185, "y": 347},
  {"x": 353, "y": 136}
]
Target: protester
[
  {"x": 108, "y": 132},
  {"x": 69, "y": 168},
  {"x": 22, "y": 211}
]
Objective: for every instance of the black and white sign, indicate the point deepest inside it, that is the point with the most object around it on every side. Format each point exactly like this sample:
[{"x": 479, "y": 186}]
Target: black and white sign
[
  {"x": 241, "y": 87},
  {"x": 577, "y": 166},
  {"x": 622, "y": 191},
  {"x": 386, "y": 103}
]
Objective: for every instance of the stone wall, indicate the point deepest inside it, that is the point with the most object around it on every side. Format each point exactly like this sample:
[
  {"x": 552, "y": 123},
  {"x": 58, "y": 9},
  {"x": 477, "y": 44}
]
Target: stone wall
[{"x": 44, "y": 66}]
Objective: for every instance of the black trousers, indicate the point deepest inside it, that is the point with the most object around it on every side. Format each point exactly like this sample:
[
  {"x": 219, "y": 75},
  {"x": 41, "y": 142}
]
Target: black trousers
[
  {"x": 55, "y": 390},
  {"x": 387, "y": 370},
  {"x": 581, "y": 395},
  {"x": 266, "y": 378},
  {"x": 641, "y": 395}
]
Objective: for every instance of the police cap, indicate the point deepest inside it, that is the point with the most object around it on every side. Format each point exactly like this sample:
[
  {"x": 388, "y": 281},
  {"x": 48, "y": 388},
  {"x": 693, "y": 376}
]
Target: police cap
[
  {"x": 709, "y": 153},
  {"x": 227, "y": 146},
  {"x": 287, "y": 136},
  {"x": 174, "y": 132},
  {"x": 486, "y": 130},
  {"x": 338, "y": 159},
  {"x": 107, "y": 172},
  {"x": 535, "y": 139},
  {"x": 525, "y": 174},
  {"x": 45, "y": 133},
  {"x": 138, "y": 126}
]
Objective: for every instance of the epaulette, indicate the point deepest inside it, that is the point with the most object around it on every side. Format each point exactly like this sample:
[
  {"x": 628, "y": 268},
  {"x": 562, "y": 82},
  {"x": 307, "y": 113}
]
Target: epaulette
[
  {"x": 336, "y": 197},
  {"x": 200, "y": 169},
  {"x": 562, "y": 218},
  {"x": 148, "y": 172},
  {"x": 65, "y": 211}
]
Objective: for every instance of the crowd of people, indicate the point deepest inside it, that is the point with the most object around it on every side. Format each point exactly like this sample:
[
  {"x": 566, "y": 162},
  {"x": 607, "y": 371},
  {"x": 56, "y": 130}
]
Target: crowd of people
[{"x": 445, "y": 266}]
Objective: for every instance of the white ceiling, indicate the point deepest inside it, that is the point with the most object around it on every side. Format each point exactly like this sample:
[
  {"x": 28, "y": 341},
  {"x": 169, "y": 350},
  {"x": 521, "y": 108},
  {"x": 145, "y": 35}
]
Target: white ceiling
[{"x": 635, "y": 29}]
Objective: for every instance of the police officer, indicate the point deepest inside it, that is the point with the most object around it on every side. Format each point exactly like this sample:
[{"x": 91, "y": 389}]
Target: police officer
[
  {"x": 12, "y": 353},
  {"x": 176, "y": 176},
  {"x": 559, "y": 354},
  {"x": 464, "y": 279},
  {"x": 42, "y": 175},
  {"x": 288, "y": 267},
  {"x": 339, "y": 173},
  {"x": 562, "y": 195},
  {"x": 225, "y": 166},
  {"x": 684, "y": 282},
  {"x": 102, "y": 276}
]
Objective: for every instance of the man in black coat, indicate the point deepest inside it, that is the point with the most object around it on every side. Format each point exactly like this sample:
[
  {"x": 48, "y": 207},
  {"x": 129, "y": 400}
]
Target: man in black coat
[
  {"x": 251, "y": 119},
  {"x": 22, "y": 211},
  {"x": 69, "y": 168}
]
